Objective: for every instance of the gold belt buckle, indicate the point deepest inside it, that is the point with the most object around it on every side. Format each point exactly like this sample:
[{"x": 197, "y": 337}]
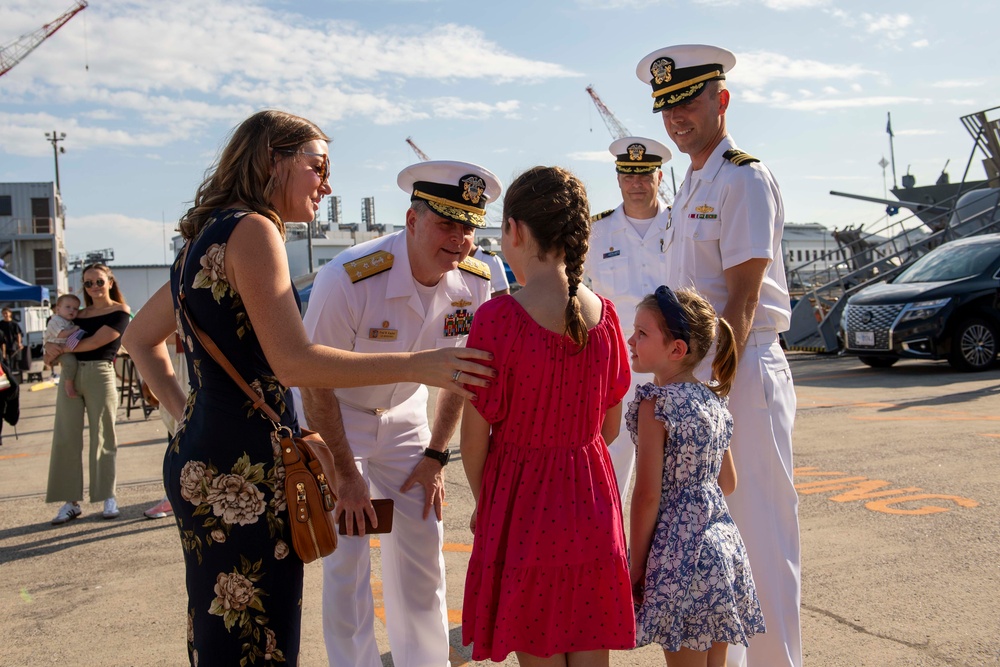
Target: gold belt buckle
[{"x": 378, "y": 412}]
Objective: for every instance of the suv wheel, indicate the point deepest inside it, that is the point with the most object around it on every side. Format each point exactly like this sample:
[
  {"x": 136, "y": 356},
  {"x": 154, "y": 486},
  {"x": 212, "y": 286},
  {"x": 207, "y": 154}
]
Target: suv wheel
[
  {"x": 973, "y": 345},
  {"x": 877, "y": 362}
]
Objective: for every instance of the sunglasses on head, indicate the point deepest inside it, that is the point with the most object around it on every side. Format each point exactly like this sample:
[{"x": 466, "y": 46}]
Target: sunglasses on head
[
  {"x": 324, "y": 170},
  {"x": 90, "y": 283}
]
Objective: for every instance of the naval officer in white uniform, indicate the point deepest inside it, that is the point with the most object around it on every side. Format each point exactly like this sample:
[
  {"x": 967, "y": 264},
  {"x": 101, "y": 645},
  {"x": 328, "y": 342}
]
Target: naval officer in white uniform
[
  {"x": 626, "y": 260},
  {"x": 725, "y": 241},
  {"x": 413, "y": 290}
]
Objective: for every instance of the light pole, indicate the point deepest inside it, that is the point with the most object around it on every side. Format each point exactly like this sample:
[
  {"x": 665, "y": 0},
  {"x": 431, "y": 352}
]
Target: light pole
[{"x": 54, "y": 139}]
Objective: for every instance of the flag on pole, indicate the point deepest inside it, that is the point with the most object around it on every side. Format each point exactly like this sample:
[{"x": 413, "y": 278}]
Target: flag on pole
[{"x": 888, "y": 125}]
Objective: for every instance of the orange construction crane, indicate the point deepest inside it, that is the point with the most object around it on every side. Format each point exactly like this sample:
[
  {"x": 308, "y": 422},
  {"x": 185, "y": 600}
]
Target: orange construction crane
[
  {"x": 13, "y": 53},
  {"x": 420, "y": 154},
  {"x": 619, "y": 131}
]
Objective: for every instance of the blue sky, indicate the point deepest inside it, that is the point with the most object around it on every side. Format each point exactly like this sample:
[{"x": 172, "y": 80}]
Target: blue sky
[{"x": 497, "y": 83}]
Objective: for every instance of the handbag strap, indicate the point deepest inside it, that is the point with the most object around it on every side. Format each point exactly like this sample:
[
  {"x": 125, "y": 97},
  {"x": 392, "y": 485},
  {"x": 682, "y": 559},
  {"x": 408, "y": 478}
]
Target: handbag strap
[{"x": 213, "y": 350}]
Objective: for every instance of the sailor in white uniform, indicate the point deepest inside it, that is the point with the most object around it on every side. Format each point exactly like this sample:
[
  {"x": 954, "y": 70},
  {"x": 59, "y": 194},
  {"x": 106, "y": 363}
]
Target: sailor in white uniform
[
  {"x": 499, "y": 283},
  {"x": 413, "y": 290},
  {"x": 724, "y": 240},
  {"x": 626, "y": 260}
]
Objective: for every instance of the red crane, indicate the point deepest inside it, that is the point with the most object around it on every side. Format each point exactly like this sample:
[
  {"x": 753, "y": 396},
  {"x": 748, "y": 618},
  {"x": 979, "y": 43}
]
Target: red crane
[
  {"x": 619, "y": 131},
  {"x": 420, "y": 154},
  {"x": 13, "y": 53}
]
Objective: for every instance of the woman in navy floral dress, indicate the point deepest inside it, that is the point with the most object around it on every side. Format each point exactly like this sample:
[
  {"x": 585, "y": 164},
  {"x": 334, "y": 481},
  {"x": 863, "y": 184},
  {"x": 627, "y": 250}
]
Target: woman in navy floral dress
[
  {"x": 222, "y": 470},
  {"x": 691, "y": 579}
]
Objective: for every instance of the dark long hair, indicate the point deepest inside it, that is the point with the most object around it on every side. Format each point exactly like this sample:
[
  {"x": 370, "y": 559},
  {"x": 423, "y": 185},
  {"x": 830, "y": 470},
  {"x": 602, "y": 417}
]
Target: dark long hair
[
  {"x": 552, "y": 202},
  {"x": 245, "y": 169}
]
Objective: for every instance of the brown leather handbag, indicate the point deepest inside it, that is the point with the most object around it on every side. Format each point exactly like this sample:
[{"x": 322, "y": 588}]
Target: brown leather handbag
[{"x": 310, "y": 472}]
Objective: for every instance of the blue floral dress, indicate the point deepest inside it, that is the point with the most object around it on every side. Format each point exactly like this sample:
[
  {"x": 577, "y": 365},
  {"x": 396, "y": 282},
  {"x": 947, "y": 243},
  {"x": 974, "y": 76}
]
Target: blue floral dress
[
  {"x": 698, "y": 586},
  {"x": 225, "y": 480}
]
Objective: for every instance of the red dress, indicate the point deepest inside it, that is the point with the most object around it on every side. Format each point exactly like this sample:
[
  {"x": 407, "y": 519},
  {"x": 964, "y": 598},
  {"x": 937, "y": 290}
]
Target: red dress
[{"x": 548, "y": 572}]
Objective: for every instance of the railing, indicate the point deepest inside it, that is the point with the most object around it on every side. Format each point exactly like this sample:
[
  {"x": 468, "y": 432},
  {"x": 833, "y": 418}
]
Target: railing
[
  {"x": 816, "y": 316},
  {"x": 27, "y": 226}
]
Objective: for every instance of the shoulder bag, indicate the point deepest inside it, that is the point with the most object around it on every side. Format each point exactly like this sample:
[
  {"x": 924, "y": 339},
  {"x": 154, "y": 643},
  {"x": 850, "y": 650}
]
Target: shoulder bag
[{"x": 309, "y": 467}]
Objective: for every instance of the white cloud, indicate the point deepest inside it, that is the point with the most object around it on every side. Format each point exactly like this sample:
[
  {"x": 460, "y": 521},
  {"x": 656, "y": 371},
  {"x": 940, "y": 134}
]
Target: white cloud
[
  {"x": 890, "y": 27},
  {"x": 920, "y": 44},
  {"x": 783, "y": 5},
  {"x": 916, "y": 133},
  {"x": 591, "y": 156},
  {"x": 958, "y": 83},
  {"x": 846, "y": 103},
  {"x": 162, "y": 66},
  {"x": 757, "y": 69}
]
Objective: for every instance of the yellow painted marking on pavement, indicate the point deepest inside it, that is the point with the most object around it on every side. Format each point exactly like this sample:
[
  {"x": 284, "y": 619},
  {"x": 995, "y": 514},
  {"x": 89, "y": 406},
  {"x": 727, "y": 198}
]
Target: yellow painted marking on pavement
[
  {"x": 4, "y": 457},
  {"x": 880, "y": 499},
  {"x": 991, "y": 435},
  {"x": 448, "y": 547},
  {"x": 42, "y": 385}
]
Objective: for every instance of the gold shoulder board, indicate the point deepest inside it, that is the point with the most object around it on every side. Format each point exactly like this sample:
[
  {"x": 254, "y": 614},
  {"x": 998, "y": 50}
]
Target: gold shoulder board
[
  {"x": 488, "y": 252},
  {"x": 601, "y": 215},
  {"x": 474, "y": 266},
  {"x": 739, "y": 158},
  {"x": 369, "y": 265}
]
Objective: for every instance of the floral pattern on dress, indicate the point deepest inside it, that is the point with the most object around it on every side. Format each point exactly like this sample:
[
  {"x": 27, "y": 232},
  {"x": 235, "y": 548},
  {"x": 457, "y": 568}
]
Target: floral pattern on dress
[
  {"x": 225, "y": 478},
  {"x": 237, "y": 597},
  {"x": 213, "y": 273},
  {"x": 698, "y": 587}
]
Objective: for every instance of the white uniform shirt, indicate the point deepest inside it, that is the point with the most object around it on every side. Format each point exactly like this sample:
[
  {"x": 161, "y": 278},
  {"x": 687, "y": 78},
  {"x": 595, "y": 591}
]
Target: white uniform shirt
[
  {"x": 724, "y": 215},
  {"x": 498, "y": 273},
  {"x": 624, "y": 267},
  {"x": 384, "y": 313}
]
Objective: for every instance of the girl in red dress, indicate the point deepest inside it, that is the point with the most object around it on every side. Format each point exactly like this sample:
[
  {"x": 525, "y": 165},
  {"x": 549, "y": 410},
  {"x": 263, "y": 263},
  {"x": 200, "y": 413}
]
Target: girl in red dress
[{"x": 548, "y": 577}]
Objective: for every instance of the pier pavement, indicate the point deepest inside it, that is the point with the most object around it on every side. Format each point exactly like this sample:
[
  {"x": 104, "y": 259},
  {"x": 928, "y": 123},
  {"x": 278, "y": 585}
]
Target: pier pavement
[{"x": 896, "y": 471}]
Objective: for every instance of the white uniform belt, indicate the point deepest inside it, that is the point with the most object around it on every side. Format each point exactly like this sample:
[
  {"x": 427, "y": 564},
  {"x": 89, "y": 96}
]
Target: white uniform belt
[
  {"x": 759, "y": 337},
  {"x": 378, "y": 412}
]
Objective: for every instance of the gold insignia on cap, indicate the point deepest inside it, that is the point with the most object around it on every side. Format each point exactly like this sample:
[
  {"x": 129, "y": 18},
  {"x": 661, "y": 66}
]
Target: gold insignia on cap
[
  {"x": 369, "y": 265},
  {"x": 704, "y": 209},
  {"x": 636, "y": 151},
  {"x": 662, "y": 70},
  {"x": 475, "y": 267},
  {"x": 473, "y": 188}
]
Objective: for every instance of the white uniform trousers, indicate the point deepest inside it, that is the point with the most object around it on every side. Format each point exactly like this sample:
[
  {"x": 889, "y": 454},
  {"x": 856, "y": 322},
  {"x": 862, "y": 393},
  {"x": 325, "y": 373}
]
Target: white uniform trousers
[
  {"x": 387, "y": 447},
  {"x": 765, "y": 504},
  {"x": 622, "y": 450}
]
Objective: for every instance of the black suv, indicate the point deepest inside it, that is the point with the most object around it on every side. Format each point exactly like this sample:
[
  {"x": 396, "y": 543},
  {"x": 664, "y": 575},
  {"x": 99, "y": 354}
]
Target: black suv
[{"x": 946, "y": 305}]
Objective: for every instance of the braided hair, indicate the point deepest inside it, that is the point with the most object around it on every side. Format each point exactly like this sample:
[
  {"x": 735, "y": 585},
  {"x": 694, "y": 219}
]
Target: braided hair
[{"x": 552, "y": 202}]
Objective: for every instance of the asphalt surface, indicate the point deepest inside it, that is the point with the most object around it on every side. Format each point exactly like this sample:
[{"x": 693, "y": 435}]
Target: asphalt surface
[{"x": 898, "y": 507}]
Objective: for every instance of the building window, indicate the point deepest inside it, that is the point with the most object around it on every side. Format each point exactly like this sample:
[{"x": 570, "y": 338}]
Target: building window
[
  {"x": 800, "y": 254},
  {"x": 6, "y": 207},
  {"x": 791, "y": 255},
  {"x": 44, "y": 275}
]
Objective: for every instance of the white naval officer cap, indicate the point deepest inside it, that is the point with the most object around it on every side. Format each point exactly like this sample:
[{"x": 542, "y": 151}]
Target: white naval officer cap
[
  {"x": 679, "y": 73},
  {"x": 454, "y": 190},
  {"x": 638, "y": 155}
]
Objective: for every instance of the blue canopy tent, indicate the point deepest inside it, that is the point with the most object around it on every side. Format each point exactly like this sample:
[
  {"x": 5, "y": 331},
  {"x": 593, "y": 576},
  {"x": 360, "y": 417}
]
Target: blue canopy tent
[{"x": 13, "y": 288}]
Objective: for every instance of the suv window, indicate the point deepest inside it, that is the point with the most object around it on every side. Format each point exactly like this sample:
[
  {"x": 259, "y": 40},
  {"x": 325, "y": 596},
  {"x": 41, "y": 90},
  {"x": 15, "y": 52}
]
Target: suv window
[{"x": 951, "y": 263}]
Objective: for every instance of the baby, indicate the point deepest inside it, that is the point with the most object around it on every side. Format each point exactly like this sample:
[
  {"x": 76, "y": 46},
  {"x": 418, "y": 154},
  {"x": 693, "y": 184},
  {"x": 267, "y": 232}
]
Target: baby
[{"x": 62, "y": 331}]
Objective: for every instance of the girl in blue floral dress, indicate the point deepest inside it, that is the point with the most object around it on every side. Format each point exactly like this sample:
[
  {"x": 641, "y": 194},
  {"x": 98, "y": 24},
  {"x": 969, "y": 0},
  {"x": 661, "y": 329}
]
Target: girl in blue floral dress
[
  {"x": 691, "y": 580},
  {"x": 223, "y": 471}
]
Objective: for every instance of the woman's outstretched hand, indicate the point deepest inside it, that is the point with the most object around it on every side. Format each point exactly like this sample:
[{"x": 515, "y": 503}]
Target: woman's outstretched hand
[{"x": 452, "y": 368}]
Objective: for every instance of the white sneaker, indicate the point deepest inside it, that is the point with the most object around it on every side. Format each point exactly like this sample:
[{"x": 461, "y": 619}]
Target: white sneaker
[
  {"x": 110, "y": 509},
  {"x": 67, "y": 513}
]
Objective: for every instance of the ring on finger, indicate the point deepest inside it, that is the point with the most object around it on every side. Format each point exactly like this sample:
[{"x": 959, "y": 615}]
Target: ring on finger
[{"x": 455, "y": 376}]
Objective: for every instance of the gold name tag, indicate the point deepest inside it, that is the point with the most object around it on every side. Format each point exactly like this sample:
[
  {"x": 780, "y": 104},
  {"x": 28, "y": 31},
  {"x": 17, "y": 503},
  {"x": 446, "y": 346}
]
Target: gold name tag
[{"x": 382, "y": 334}]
